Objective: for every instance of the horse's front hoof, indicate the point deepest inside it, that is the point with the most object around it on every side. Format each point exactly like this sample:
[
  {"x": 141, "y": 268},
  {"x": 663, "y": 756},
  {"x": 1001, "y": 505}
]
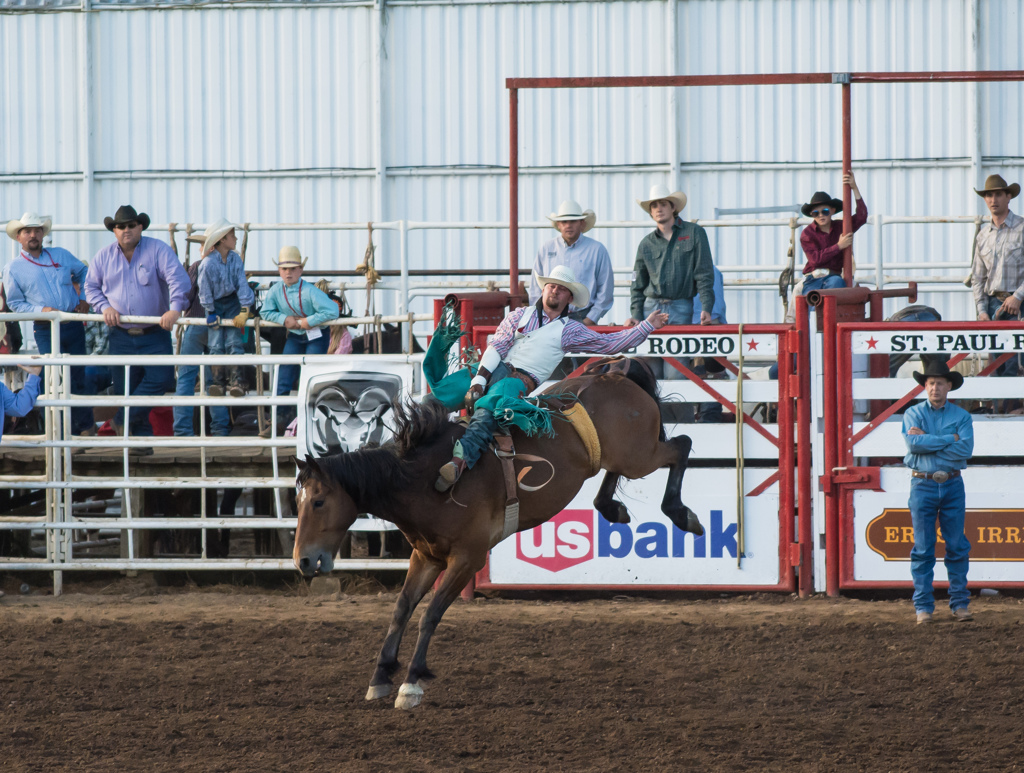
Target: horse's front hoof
[
  {"x": 693, "y": 524},
  {"x": 378, "y": 691},
  {"x": 409, "y": 696}
]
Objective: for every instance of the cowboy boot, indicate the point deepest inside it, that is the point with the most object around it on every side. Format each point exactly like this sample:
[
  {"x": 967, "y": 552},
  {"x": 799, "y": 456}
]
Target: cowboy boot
[
  {"x": 216, "y": 387},
  {"x": 235, "y": 388},
  {"x": 450, "y": 473}
]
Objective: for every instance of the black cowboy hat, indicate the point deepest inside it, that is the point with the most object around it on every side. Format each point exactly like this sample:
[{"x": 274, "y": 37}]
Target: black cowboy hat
[
  {"x": 126, "y": 214},
  {"x": 821, "y": 198},
  {"x": 939, "y": 368}
]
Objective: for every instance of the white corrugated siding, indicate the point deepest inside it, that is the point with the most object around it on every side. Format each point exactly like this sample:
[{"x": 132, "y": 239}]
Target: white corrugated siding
[{"x": 264, "y": 88}]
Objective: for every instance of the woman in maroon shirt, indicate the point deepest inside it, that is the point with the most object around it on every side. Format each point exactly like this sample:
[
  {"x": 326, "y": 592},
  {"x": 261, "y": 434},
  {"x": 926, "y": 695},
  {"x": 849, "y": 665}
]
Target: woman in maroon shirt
[{"x": 823, "y": 241}]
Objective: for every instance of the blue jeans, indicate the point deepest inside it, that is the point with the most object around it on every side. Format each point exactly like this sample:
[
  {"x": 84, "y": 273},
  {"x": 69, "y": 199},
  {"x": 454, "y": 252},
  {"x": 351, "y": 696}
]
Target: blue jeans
[
  {"x": 481, "y": 429},
  {"x": 226, "y": 338},
  {"x": 299, "y": 344},
  {"x": 947, "y": 503},
  {"x": 680, "y": 312},
  {"x": 146, "y": 380},
  {"x": 830, "y": 282},
  {"x": 1008, "y": 368},
  {"x": 193, "y": 341},
  {"x": 72, "y": 341}
]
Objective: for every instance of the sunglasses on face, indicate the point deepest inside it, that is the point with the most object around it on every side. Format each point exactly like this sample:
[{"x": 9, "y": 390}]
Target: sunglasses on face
[
  {"x": 125, "y": 226},
  {"x": 822, "y": 211}
]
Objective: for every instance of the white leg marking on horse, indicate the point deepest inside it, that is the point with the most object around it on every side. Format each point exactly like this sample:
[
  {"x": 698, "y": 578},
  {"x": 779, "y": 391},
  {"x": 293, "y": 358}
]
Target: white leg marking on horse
[
  {"x": 378, "y": 691},
  {"x": 409, "y": 696}
]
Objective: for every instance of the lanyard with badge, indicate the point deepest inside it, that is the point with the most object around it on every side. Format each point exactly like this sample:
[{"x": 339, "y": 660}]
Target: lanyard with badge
[
  {"x": 314, "y": 332},
  {"x": 52, "y": 264}
]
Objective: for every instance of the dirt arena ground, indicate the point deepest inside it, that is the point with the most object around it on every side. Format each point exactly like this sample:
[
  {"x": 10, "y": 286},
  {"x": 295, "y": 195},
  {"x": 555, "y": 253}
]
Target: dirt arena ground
[{"x": 133, "y": 677}]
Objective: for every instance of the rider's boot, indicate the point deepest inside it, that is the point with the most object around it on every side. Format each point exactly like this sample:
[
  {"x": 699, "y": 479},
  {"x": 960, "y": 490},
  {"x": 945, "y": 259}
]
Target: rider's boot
[{"x": 450, "y": 473}]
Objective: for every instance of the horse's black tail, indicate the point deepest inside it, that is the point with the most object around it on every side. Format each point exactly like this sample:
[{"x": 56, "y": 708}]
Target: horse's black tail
[{"x": 640, "y": 373}]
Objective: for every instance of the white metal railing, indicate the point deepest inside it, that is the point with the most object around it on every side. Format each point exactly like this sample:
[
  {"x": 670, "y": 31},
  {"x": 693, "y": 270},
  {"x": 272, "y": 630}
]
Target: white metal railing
[
  {"x": 58, "y": 479},
  {"x": 407, "y": 289}
]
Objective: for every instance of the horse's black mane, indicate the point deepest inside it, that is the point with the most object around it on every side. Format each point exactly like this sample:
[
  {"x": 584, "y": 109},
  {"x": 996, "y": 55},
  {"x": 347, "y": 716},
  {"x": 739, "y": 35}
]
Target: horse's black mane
[{"x": 374, "y": 476}]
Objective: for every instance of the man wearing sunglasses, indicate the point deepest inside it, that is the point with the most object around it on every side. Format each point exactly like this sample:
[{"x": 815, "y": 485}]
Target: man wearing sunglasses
[
  {"x": 137, "y": 276},
  {"x": 823, "y": 241}
]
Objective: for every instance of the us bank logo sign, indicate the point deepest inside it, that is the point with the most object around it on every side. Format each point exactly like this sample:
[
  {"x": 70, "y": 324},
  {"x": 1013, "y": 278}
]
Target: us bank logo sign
[
  {"x": 578, "y": 547},
  {"x": 931, "y": 342}
]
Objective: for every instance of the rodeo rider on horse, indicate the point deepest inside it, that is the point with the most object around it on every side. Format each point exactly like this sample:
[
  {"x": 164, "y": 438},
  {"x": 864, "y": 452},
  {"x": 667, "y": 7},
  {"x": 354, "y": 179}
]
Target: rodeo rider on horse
[{"x": 526, "y": 348}]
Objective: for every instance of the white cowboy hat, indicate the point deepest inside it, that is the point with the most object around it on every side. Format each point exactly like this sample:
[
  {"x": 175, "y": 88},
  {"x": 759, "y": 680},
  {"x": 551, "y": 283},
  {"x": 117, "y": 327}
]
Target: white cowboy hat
[
  {"x": 215, "y": 232},
  {"x": 662, "y": 193},
  {"x": 564, "y": 276},
  {"x": 29, "y": 220},
  {"x": 570, "y": 210},
  {"x": 290, "y": 256}
]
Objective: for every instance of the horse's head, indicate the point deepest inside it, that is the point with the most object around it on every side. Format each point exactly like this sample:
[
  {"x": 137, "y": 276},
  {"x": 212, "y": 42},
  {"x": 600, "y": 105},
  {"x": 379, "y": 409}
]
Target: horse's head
[{"x": 326, "y": 512}]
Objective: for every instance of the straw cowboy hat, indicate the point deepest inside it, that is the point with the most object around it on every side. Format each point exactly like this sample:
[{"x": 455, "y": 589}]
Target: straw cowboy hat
[
  {"x": 29, "y": 220},
  {"x": 662, "y": 193},
  {"x": 939, "y": 368},
  {"x": 290, "y": 256},
  {"x": 214, "y": 233},
  {"x": 818, "y": 199},
  {"x": 564, "y": 276},
  {"x": 992, "y": 183},
  {"x": 571, "y": 210},
  {"x": 126, "y": 214}
]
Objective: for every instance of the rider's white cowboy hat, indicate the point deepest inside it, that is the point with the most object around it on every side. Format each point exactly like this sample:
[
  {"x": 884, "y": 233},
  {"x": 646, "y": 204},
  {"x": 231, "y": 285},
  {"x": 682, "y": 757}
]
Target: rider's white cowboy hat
[
  {"x": 571, "y": 210},
  {"x": 660, "y": 193},
  {"x": 215, "y": 232},
  {"x": 564, "y": 276},
  {"x": 29, "y": 220},
  {"x": 290, "y": 256}
]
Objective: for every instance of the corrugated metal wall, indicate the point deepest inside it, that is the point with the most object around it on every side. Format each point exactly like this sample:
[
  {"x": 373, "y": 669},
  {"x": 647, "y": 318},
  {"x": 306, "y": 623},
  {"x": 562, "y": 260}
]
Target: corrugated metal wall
[{"x": 268, "y": 112}]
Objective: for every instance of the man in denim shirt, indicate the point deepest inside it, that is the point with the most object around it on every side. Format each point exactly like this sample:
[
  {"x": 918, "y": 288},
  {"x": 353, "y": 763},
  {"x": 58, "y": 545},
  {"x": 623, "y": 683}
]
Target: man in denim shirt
[{"x": 940, "y": 439}]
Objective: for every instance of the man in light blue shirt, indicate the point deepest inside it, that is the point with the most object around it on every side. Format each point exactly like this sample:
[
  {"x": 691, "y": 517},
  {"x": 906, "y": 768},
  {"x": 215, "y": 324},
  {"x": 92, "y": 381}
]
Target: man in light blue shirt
[
  {"x": 43, "y": 279},
  {"x": 940, "y": 439},
  {"x": 19, "y": 403},
  {"x": 588, "y": 259}
]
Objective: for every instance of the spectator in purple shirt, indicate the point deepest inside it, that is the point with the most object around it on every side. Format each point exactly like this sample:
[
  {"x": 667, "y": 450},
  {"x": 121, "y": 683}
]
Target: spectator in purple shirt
[
  {"x": 138, "y": 276},
  {"x": 823, "y": 241}
]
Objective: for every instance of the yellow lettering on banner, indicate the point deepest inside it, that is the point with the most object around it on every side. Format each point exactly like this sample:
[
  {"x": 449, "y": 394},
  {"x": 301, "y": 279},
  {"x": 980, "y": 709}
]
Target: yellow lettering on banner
[
  {"x": 995, "y": 534},
  {"x": 908, "y": 533},
  {"x": 892, "y": 534},
  {"x": 981, "y": 534},
  {"x": 938, "y": 534},
  {"x": 1012, "y": 534}
]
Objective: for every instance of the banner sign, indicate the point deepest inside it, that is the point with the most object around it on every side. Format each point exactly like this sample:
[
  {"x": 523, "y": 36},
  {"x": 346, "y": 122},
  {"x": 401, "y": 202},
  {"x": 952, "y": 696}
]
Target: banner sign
[
  {"x": 995, "y": 535},
  {"x": 578, "y": 547},
  {"x": 673, "y": 345},
  {"x": 884, "y": 536},
  {"x": 932, "y": 342}
]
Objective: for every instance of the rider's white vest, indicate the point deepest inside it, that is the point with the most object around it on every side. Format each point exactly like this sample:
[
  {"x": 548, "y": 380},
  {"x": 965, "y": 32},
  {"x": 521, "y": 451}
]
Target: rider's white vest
[{"x": 539, "y": 351}]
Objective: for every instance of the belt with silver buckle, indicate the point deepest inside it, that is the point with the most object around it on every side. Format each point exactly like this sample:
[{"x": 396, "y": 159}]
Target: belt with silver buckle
[
  {"x": 141, "y": 331},
  {"x": 939, "y": 477}
]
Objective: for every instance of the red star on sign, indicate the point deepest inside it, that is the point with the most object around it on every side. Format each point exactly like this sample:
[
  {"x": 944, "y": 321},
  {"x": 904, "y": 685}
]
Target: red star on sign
[
  {"x": 872, "y": 343},
  {"x": 751, "y": 345}
]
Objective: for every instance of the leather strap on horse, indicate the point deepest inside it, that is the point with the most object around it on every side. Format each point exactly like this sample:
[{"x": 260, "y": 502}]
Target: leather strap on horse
[
  {"x": 581, "y": 422},
  {"x": 506, "y": 453}
]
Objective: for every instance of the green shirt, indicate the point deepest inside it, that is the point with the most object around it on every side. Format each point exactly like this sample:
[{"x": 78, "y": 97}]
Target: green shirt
[{"x": 676, "y": 268}]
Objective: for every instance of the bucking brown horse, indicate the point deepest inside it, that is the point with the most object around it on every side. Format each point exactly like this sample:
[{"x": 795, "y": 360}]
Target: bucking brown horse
[{"x": 453, "y": 531}]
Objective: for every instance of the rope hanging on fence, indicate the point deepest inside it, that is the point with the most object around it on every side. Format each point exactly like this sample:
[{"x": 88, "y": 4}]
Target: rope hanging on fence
[
  {"x": 740, "y": 501},
  {"x": 369, "y": 270},
  {"x": 245, "y": 242},
  {"x": 786, "y": 282},
  {"x": 171, "y": 228}
]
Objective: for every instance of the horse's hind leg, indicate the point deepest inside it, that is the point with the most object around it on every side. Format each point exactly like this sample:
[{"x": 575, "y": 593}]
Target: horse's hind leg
[
  {"x": 457, "y": 575},
  {"x": 422, "y": 574},
  {"x": 672, "y": 503},
  {"x": 606, "y": 503}
]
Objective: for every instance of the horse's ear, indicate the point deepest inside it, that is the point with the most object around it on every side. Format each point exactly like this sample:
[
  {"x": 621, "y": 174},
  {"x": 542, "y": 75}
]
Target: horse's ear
[{"x": 314, "y": 468}]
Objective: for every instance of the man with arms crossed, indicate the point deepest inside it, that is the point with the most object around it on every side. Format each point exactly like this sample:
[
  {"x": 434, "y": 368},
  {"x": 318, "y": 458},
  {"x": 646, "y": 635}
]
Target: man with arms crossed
[{"x": 940, "y": 439}]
